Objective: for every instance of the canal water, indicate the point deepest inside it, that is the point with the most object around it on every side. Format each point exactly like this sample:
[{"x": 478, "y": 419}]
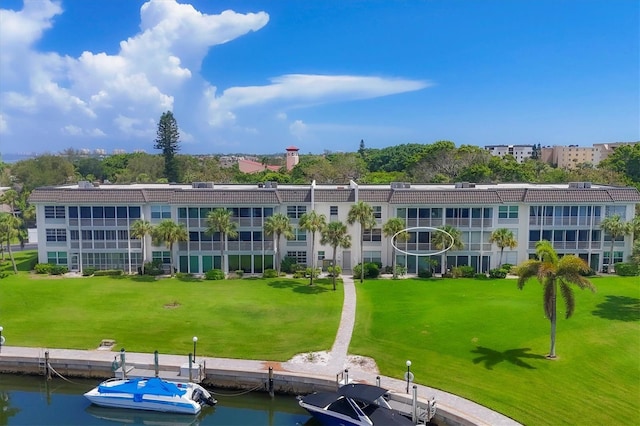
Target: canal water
[{"x": 31, "y": 400}]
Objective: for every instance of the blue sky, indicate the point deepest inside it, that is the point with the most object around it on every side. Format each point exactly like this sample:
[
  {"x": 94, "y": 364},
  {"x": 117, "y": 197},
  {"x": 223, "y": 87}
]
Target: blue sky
[{"x": 258, "y": 76}]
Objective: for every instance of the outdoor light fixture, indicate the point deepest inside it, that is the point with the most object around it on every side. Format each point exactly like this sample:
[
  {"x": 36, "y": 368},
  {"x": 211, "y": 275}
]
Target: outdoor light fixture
[
  {"x": 408, "y": 375},
  {"x": 195, "y": 341}
]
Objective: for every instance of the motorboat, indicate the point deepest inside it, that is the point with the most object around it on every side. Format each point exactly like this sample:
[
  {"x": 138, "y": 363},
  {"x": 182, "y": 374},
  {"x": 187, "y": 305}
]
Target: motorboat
[
  {"x": 152, "y": 394},
  {"x": 354, "y": 404}
]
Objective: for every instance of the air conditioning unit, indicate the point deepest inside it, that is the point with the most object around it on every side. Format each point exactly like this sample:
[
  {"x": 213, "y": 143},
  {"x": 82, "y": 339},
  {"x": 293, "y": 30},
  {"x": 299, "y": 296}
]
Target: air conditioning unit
[
  {"x": 271, "y": 184},
  {"x": 201, "y": 185},
  {"x": 84, "y": 184}
]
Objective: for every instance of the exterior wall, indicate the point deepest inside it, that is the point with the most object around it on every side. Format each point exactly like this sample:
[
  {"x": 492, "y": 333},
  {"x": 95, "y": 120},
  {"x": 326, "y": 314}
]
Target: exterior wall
[
  {"x": 97, "y": 233},
  {"x": 568, "y": 157},
  {"x": 519, "y": 152}
]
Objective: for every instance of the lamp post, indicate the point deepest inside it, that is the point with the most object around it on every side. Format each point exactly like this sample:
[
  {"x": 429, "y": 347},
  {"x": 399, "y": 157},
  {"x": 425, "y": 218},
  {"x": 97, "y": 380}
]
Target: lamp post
[
  {"x": 195, "y": 341},
  {"x": 408, "y": 374},
  {"x": 1, "y": 338}
]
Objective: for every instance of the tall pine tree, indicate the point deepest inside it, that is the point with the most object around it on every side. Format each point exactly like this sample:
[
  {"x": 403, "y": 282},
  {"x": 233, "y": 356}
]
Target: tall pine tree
[{"x": 167, "y": 140}]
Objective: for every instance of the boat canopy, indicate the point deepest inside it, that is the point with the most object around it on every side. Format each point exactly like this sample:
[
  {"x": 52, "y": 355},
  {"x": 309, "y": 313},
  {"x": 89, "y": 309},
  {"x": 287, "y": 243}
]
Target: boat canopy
[
  {"x": 153, "y": 386},
  {"x": 362, "y": 392}
]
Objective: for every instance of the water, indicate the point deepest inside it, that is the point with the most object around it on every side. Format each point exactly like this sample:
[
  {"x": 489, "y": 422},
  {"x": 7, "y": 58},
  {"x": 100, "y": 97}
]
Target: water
[{"x": 31, "y": 400}]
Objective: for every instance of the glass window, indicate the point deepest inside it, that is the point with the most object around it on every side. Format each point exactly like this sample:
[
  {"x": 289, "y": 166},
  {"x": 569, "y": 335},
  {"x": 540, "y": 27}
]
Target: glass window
[
  {"x": 182, "y": 212},
  {"x": 98, "y": 212},
  {"x": 74, "y": 235},
  {"x": 377, "y": 212},
  {"x": 194, "y": 236},
  {"x": 73, "y": 212},
  {"x": 268, "y": 211},
  {"x": 110, "y": 235},
  {"x": 123, "y": 234},
  {"x": 245, "y": 212},
  {"x": 110, "y": 212},
  {"x": 134, "y": 212},
  {"x": 333, "y": 210},
  {"x": 372, "y": 235},
  {"x": 98, "y": 235},
  {"x": 121, "y": 212},
  {"x": 85, "y": 212},
  {"x": 193, "y": 212}
]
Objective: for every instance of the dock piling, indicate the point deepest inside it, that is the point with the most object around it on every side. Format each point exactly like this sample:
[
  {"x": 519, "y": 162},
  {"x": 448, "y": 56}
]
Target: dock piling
[{"x": 271, "y": 382}]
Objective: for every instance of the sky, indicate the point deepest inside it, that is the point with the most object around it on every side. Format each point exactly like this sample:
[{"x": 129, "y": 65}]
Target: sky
[{"x": 257, "y": 76}]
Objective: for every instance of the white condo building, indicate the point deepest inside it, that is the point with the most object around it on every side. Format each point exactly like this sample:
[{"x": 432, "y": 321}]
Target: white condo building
[{"x": 88, "y": 226}]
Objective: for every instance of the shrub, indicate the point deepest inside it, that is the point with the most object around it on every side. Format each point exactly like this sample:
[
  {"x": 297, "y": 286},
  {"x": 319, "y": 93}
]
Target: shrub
[
  {"x": 626, "y": 269},
  {"x": 334, "y": 270},
  {"x": 371, "y": 270},
  {"x": 309, "y": 271},
  {"x": 270, "y": 273},
  {"x": 389, "y": 269},
  {"x": 299, "y": 274},
  {"x": 425, "y": 273},
  {"x": 239, "y": 273},
  {"x": 4, "y": 274},
  {"x": 108, "y": 272},
  {"x": 506, "y": 266},
  {"x": 481, "y": 276},
  {"x": 184, "y": 275},
  {"x": 43, "y": 268},
  {"x": 88, "y": 271},
  {"x": 288, "y": 265},
  {"x": 214, "y": 274},
  {"x": 401, "y": 270},
  {"x": 59, "y": 270},
  {"x": 463, "y": 271},
  {"x": 153, "y": 268},
  {"x": 498, "y": 273}
]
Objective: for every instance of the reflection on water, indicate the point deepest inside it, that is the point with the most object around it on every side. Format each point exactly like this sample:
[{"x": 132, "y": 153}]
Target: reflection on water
[{"x": 31, "y": 400}]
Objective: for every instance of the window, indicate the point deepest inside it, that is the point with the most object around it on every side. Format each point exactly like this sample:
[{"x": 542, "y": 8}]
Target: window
[
  {"x": 333, "y": 210},
  {"x": 295, "y": 212},
  {"x": 372, "y": 257},
  {"x": 134, "y": 213},
  {"x": 372, "y": 235},
  {"x": 54, "y": 212},
  {"x": 299, "y": 234},
  {"x": 110, "y": 235},
  {"x": 87, "y": 235},
  {"x": 164, "y": 212},
  {"x": 299, "y": 256},
  {"x": 377, "y": 212},
  {"x": 98, "y": 235},
  {"x": 617, "y": 257},
  {"x": 74, "y": 235},
  {"x": 73, "y": 212},
  {"x": 321, "y": 255},
  {"x": 56, "y": 235},
  {"x": 162, "y": 256},
  {"x": 57, "y": 257},
  {"x": 123, "y": 234},
  {"x": 508, "y": 212}
]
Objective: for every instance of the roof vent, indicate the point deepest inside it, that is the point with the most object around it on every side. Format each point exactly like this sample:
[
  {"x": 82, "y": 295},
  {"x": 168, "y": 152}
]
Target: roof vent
[
  {"x": 272, "y": 185},
  {"x": 201, "y": 185}
]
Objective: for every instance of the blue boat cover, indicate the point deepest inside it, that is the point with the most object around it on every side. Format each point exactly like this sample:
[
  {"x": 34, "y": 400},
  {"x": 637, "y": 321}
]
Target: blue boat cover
[{"x": 153, "y": 386}]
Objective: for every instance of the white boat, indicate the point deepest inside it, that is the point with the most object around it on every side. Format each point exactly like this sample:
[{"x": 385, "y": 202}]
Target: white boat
[
  {"x": 152, "y": 394},
  {"x": 353, "y": 405}
]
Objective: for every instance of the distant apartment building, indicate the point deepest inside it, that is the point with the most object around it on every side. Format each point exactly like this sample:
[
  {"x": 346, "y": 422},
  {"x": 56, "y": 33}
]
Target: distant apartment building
[
  {"x": 519, "y": 152},
  {"x": 602, "y": 150},
  {"x": 567, "y": 157}
]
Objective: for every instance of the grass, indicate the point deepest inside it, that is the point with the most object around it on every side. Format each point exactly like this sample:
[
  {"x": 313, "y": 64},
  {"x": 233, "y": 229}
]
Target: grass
[
  {"x": 271, "y": 319},
  {"x": 484, "y": 340},
  {"x": 487, "y": 341}
]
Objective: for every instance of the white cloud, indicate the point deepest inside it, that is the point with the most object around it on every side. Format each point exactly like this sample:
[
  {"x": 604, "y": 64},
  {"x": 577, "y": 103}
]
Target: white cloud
[
  {"x": 121, "y": 95},
  {"x": 298, "y": 129},
  {"x": 301, "y": 90}
]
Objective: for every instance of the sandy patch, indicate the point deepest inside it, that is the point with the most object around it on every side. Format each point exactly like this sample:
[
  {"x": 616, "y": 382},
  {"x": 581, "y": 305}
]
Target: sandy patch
[{"x": 322, "y": 358}]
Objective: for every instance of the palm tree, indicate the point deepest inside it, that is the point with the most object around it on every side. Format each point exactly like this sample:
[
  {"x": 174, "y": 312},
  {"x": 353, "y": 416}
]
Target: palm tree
[
  {"x": 440, "y": 240},
  {"x": 615, "y": 227},
  {"x": 362, "y": 213},
  {"x": 394, "y": 226},
  {"x": 219, "y": 220},
  {"x": 140, "y": 229},
  {"x": 278, "y": 225},
  {"x": 170, "y": 233},
  {"x": 313, "y": 222},
  {"x": 553, "y": 273},
  {"x": 336, "y": 235},
  {"x": 10, "y": 197},
  {"x": 9, "y": 229},
  {"x": 503, "y": 237}
]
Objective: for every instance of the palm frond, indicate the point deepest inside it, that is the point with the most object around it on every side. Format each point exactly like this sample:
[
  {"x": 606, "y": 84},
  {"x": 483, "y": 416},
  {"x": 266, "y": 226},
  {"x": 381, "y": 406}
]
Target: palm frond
[
  {"x": 569, "y": 298},
  {"x": 527, "y": 270}
]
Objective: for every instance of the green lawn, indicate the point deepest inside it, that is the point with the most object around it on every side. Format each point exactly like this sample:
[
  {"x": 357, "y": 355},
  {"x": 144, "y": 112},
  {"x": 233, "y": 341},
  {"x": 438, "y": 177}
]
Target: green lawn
[
  {"x": 248, "y": 318},
  {"x": 486, "y": 341}
]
